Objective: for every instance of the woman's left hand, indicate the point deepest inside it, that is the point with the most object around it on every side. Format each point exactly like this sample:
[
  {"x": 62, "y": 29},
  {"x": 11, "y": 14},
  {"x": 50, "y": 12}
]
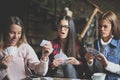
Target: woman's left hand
[
  {"x": 73, "y": 61},
  {"x": 102, "y": 59}
]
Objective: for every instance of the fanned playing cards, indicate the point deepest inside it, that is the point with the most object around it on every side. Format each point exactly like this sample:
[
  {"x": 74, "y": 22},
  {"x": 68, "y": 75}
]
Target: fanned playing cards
[{"x": 92, "y": 51}]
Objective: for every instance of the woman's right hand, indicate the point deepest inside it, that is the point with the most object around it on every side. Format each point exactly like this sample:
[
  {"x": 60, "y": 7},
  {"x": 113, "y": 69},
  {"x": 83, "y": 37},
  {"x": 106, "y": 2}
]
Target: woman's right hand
[
  {"x": 89, "y": 58},
  {"x": 46, "y": 50},
  {"x": 6, "y": 60},
  {"x": 57, "y": 62}
]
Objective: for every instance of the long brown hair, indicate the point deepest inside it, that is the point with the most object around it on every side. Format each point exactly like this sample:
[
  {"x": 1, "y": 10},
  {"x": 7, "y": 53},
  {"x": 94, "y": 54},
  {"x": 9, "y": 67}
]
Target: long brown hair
[
  {"x": 70, "y": 46},
  {"x": 13, "y": 20}
]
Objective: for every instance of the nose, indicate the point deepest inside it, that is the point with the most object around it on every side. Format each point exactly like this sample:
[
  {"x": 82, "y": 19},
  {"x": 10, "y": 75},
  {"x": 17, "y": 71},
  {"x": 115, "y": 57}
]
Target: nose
[
  {"x": 15, "y": 36},
  {"x": 62, "y": 28},
  {"x": 102, "y": 28}
]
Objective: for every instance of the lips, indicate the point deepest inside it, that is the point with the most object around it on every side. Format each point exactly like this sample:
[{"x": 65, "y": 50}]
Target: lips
[
  {"x": 102, "y": 33},
  {"x": 62, "y": 33},
  {"x": 13, "y": 41}
]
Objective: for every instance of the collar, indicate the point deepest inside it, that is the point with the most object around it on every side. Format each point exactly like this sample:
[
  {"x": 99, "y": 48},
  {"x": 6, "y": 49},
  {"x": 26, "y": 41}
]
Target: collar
[
  {"x": 114, "y": 42},
  {"x": 105, "y": 43}
]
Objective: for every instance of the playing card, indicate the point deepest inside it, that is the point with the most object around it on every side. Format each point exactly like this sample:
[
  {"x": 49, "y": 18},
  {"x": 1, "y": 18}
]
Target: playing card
[
  {"x": 44, "y": 42},
  {"x": 62, "y": 56},
  {"x": 11, "y": 50},
  {"x": 92, "y": 51}
]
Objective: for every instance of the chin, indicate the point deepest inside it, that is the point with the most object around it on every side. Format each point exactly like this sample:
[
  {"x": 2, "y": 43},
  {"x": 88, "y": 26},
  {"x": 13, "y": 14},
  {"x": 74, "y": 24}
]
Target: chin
[
  {"x": 13, "y": 44},
  {"x": 62, "y": 37}
]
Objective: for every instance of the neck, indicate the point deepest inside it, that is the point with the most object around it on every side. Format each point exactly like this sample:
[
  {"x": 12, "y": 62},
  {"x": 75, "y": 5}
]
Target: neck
[
  {"x": 63, "y": 43},
  {"x": 106, "y": 41},
  {"x": 107, "y": 38}
]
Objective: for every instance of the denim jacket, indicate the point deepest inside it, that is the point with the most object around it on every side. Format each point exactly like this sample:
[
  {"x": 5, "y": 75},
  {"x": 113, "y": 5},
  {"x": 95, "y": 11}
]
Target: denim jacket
[{"x": 112, "y": 53}]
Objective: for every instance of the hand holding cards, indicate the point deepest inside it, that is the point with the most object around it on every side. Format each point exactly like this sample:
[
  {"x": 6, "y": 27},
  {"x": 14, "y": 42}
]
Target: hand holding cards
[
  {"x": 47, "y": 46},
  {"x": 92, "y": 51},
  {"x": 62, "y": 56},
  {"x": 12, "y": 50},
  {"x": 44, "y": 42}
]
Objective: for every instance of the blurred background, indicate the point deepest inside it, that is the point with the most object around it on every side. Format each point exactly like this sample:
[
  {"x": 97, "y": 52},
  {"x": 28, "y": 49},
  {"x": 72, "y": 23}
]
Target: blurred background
[{"x": 39, "y": 16}]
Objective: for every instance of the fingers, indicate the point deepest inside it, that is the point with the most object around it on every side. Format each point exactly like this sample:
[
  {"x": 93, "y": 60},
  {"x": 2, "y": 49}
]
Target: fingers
[
  {"x": 89, "y": 56},
  {"x": 47, "y": 48},
  {"x": 102, "y": 59},
  {"x": 46, "y": 51},
  {"x": 72, "y": 60},
  {"x": 100, "y": 56},
  {"x": 57, "y": 62},
  {"x": 48, "y": 45},
  {"x": 7, "y": 59}
]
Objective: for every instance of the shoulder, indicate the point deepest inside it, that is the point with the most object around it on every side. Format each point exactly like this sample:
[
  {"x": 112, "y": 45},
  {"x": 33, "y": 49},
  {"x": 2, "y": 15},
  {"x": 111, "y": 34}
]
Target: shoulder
[
  {"x": 56, "y": 46},
  {"x": 25, "y": 46},
  {"x": 25, "y": 49},
  {"x": 119, "y": 43},
  {"x": 115, "y": 42},
  {"x": 55, "y": 43}
]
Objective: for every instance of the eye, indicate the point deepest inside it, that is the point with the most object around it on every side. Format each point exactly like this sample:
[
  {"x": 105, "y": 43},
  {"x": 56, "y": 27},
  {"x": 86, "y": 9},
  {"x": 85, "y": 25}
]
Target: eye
[
  {"x": 66, "y": 26},
  {"x": 63, "y": 26},
  {"x": 105, "y": 26},
  {"x": 12, "y": 32},
  {"x": 19, "y": 33}
]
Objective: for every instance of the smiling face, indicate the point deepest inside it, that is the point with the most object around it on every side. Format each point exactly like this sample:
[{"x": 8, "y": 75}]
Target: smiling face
[
  {"x": 14, "y": 35},
  {"x": 63, "y": 29},
  {"x": 105, "y": 29}
]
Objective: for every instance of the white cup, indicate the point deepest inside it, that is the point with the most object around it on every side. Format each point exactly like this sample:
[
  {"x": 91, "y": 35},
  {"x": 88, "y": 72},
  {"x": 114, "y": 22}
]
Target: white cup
[{"x": 98, "y": 76}]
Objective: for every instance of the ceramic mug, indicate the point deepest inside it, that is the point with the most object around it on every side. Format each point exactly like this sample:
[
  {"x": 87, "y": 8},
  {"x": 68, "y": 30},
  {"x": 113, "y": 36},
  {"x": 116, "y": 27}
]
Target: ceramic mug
[{"x": 98, "y": 76}]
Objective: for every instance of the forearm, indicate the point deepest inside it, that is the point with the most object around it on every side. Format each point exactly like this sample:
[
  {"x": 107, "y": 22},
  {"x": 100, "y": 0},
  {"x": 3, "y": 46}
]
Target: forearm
[
  {"x": 3, "y": 73},
  {"x": 42, "y": 68},
  {"x": 112, "y": 67}
]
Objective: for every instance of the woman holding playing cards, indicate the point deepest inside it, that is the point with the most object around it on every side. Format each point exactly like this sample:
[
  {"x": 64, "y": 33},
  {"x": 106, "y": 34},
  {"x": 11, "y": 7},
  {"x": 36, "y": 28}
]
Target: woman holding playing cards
[
  {"x": 66, "y": 59},
  {"x": 17, "y": 57},
  {"x": 108, "y": 44}
]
